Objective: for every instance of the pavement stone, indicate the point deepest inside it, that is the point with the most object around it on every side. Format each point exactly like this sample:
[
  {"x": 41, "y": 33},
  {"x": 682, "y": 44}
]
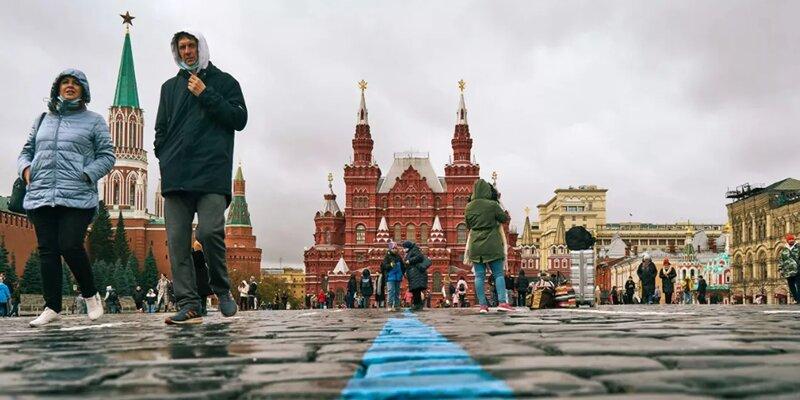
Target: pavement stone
[{"x": 609, "y": 352}]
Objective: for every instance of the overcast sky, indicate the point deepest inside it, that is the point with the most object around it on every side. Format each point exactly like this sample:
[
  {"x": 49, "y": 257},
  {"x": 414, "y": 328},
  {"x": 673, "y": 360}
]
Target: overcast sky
[{"x": 666, "y": 104}]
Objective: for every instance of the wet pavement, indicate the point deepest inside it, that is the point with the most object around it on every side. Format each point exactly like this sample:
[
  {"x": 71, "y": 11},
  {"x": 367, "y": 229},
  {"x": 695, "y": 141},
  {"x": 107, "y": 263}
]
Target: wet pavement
[{"x": 634, "y": 352}]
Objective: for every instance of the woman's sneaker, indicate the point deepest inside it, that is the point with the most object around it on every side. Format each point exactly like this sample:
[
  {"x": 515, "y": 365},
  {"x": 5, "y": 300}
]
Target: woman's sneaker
[
  {"x": 505, "y": 307},
  {"x": 94, "y": 307},
  {"x": 47, "y": 316},
  {"x": 484, "y": 310},
  {"x": 185, "y": 316}
]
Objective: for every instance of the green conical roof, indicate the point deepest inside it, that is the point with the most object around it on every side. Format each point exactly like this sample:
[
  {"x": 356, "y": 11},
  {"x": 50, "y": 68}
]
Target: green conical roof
[
  {"x": 126, "y": 95},
  {"x": 238, "y": 213}
]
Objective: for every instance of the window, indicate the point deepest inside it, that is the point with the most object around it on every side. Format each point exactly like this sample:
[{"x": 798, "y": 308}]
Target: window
[
  {"x": 398, "y": 233},
  {"x": 461, "y": 233},
  {"x": 411, "y": 232},
  {"x": 361, "y": 234},
  {"x": 437, "y": 202},
  {"x": 115, "y": 191},
  {"x": 423, "y": 233},
  {"x": 385, "y": 202},
  {"x": 409, "y": 202},
  {"x": 423, "y": 201},
  {"x": 132, "y": 194}
]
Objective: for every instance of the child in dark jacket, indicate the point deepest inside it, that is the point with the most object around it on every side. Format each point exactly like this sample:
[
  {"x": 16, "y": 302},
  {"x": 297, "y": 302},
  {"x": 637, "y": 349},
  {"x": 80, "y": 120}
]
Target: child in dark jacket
[{"x": 366, "y": 289}]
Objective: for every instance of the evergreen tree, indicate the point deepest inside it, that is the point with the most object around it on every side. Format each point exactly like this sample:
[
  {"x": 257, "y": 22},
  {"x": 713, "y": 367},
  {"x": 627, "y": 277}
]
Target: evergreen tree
[
  {"x": 121, "y": 249},
  {"x": 32, "y": 275},
  {"x": 100, "y": 246},
  {"x": 100, "y": 270},
  {"x": 133, "y": 269},
  {"x": 7, "y": 268},
  {"x": 148, "y": 279}
]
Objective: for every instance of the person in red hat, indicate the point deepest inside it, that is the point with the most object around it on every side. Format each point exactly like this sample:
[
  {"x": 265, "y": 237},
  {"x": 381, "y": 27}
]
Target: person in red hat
[
  {"x": 787, "y": 265},
  {"x": 667, "y": 275}
]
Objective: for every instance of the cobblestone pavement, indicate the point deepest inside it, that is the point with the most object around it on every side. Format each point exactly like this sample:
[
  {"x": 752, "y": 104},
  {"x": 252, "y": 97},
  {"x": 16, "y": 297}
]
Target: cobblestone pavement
[{"x": 633, "y": 352}]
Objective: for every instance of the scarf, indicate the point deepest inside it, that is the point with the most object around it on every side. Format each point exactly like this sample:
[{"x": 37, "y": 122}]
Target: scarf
[{"x": 68, "y": 105}]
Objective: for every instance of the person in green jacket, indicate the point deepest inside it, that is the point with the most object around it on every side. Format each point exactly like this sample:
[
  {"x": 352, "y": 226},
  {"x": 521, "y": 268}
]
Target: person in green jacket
[
  {"x": 486, "y": 245},
  {"x": 790, "y": 255}
]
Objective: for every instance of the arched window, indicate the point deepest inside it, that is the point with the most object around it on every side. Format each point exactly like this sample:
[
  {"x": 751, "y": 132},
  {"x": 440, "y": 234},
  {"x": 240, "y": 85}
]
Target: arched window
[
  {"x": 437, "y": 203},
  {"x": 423, "y": 233},
  {"x": 385, "y": 202},
  {"x": 437, "y": 282},
  {"x": 398, "y": 201},
  {"x": 361, "y": 234},
  {"x": 461, "y": 233},
  {"x": 132, "y": 193},
  {"x": 327, "y": 239},
  {"x": 411, "y": 232},
  {"x": 115, "y": 188},
  {"x": 409, "y": 202},
  {"x": 398, "y": 233},
  {"x": 423, "y": 201}
]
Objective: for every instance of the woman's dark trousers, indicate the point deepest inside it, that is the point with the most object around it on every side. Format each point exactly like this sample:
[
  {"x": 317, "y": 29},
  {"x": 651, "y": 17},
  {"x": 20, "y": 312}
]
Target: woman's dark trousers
[{"x": 60, "y": 232}]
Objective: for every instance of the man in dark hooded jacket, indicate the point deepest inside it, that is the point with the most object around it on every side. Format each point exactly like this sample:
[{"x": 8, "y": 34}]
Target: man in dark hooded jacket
[
  {"x": 198, "y": 112},
  {"x": 647, "y": 272}
]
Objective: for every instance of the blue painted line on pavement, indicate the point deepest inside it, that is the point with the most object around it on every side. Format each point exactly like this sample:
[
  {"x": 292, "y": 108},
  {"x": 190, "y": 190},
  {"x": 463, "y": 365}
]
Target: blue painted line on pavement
[{"x": 410, "y": 359}]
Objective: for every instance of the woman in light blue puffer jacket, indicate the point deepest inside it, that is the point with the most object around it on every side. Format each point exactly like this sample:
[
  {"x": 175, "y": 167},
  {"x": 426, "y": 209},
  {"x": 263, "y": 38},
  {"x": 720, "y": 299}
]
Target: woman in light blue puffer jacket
[{"x": 68, "y": 150}]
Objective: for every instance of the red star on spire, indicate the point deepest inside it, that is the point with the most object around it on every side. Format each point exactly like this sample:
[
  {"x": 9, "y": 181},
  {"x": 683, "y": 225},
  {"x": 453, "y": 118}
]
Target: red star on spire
[{"x": 127, "y": 18}]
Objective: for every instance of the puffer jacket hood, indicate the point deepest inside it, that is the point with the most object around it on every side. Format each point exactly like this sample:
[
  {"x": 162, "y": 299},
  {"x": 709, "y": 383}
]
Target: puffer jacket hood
[
  {"x": 86, "y": 96},
  {"x": 481, "y": 190},
  {"x": 202, "y": 50}
]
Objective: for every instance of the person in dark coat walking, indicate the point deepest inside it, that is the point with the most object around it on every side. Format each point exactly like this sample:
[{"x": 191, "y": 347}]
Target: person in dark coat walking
[
  {"x": 138, "y": 298},
  {"x": 647, "y": 273},
  {"x": 667, "y": 275},
  {"x": 416, "y": 272},
  {"x": 701, "y": 290},
  {"x": 630, "y": 288},
  {"x": 367, "y": 288},
  {"x": 522, "y": 288},
  {"x": 352, "y": 289},
  {"x": 198, "y": 111}
]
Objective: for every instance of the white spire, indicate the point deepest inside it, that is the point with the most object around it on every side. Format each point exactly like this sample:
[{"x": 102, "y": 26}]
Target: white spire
[
  {"x": 383, "y": 232},
  {"x": 437, "y": 225},
  {"x": 462, "y": 108},
  {"x": 437, "y": 235},
  {"x": 341, "y": 267},
  {"x": 363, "y": 118}
]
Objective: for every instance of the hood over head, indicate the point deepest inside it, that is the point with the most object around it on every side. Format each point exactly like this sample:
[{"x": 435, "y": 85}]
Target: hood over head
[
  {"x": 481, "y": 190},
  {"x": 86, "y": 95},
  {"x": 365, "y": 274},
  {"x": 202, "y": 51},
  {"x": 408, "y": 244}
]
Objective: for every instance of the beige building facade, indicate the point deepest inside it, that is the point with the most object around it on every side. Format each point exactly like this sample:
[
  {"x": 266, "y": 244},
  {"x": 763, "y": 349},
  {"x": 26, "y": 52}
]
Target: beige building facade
[
  {"x": 543, "y": 249},
  {"x": 760, "y": 217}
]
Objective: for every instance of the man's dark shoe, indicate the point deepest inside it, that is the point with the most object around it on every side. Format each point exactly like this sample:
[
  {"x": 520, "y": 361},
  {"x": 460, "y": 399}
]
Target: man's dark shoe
[
  {"x": 227, "y": 305},
  {"x": 186, "y": 316}
]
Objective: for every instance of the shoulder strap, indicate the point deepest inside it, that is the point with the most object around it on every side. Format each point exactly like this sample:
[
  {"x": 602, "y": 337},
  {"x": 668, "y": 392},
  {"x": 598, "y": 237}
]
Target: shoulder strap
[{"x": 38, "y": 125}]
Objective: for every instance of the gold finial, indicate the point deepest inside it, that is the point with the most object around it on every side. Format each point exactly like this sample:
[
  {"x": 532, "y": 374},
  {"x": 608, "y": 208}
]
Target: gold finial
[
  {"x": 362, "y": 85},
  {"x": 330, "y": 180},
  {"x": 462, "y": 85},
  {"x": 527, "y": 211},
  {"x": 494, "y": 178}
]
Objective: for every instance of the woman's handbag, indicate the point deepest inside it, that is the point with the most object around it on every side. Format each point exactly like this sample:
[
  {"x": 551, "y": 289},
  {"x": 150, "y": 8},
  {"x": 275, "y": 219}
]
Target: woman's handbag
[{"x": 19, "y": 189}]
